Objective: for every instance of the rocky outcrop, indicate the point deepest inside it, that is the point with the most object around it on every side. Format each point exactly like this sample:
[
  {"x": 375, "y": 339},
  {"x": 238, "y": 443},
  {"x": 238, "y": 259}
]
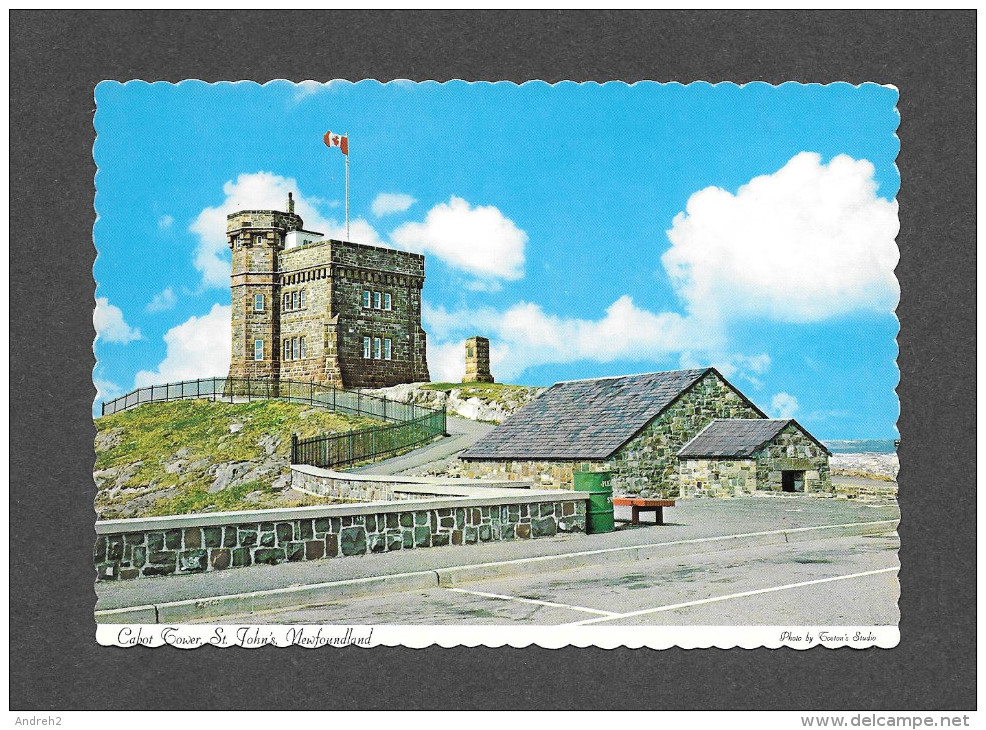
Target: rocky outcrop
[{"x": 492, "y": 404}]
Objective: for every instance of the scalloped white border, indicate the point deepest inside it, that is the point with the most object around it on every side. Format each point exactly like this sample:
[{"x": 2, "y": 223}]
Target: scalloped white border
[
  {"x": 546, "y": 637},
  {"x": 253, "y": 636}
]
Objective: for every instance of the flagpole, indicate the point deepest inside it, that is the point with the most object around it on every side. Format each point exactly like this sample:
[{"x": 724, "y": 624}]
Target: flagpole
[{"x": 347, "y": 189}]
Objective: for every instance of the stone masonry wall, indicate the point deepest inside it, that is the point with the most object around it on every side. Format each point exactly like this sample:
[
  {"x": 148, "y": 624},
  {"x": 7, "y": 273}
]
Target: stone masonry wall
[
  {"x": 306, "y": 269},
  {"x": 545, "y": 474},
  {"x": 791, "y": 449},
  {"x": 717, "y": 477},
  {"x": 648, "y": 463},
  {"x": 141, "y": 554},
  {"x": 384, "y": 271}
]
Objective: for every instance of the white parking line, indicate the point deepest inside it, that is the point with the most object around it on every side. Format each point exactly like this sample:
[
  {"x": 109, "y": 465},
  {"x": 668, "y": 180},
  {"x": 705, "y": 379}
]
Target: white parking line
[
  {"x": 536, "y": 602},
  {"x": 731, "y": 596}
]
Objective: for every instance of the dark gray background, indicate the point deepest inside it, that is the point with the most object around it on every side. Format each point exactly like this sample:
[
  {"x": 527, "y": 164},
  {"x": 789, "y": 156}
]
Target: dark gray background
[{"x": 56, "y": 58}]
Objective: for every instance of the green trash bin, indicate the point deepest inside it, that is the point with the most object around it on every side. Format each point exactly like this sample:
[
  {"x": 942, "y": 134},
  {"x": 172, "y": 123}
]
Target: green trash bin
[{"x": 599, "y": 514}]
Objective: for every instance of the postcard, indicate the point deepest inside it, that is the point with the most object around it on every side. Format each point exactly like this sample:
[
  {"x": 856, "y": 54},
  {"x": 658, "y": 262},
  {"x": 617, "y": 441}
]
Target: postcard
[{"x": 468, "y": 364}]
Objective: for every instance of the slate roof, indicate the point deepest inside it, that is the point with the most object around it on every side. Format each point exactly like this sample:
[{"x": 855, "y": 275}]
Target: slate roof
[
  {"x": 584, "y": 419},
  {"x": 735, "y": 437}
]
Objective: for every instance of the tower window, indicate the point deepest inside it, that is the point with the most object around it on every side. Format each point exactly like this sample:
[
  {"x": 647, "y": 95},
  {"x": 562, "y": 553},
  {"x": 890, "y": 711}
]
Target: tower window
[
  {"x": 387, "y": 348},
  {"x": 258, "y": 350},
  {"x": 294, "y": 299},
  {"x": 376, "y": 300},
  {"x": 301, "y": 301},
  {"x": 387, "y": 301},
  {"x": 366, "y": 299},
  {"x": 376, "y": 348},
  {"x": 304, "y": 349},
  {"x": 287, "y": 300},
  {"x": 287, "y": 349},
  {"x": 258, "y": 302},
  {"x": 295, "y": 346},
  {"x": 366, "y": 348},
  {"x": 258, "y": 239}
]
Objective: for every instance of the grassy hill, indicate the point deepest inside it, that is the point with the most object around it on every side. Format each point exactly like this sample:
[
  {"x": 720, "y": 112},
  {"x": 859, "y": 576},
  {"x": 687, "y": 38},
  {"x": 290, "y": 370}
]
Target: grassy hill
[{"x": 203, "y": 456}]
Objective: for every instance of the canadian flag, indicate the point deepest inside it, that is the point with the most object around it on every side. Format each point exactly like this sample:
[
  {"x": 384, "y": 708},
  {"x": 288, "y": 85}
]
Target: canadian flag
[{"x": 337, "y": 140}]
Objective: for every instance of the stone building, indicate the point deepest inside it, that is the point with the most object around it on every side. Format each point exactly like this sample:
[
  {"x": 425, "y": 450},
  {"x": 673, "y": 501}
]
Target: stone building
[
  {"x": 632, "y": 425},
  {"x": 477, "y": 361},
  {"x": 309, "y": 308},
  {"x": 741, "y": 456}
]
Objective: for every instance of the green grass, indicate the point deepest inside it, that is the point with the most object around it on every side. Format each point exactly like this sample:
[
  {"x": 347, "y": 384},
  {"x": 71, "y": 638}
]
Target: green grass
[{"x": 152, "y": 435}]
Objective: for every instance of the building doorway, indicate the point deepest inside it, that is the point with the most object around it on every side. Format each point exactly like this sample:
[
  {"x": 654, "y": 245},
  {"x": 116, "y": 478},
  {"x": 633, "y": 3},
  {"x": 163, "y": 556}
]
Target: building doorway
[{"x": 792, "y": 481}]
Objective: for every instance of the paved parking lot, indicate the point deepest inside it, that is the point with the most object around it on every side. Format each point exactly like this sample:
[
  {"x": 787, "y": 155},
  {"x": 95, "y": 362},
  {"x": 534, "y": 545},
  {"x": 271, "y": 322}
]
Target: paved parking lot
[{"x": 836, "y": 581}]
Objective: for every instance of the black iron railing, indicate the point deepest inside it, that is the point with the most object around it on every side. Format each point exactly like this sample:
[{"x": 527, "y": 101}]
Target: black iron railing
[
  {"x": 353, "y": 402},
  {"x": 338, "y": 450},
  {"x": 411, "y": 424}
]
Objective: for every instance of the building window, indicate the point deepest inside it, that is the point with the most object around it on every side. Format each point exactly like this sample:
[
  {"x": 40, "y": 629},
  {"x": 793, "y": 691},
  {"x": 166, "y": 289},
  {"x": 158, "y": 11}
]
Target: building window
[
  {"x": 304, "y": 349},
  {"x": 376, "y": 348},
  {"x": 258, "y": 302},
  {"x": 376, "y": 300},
  {"x": 366, "y": 299},
  {"x": 258, "y": 350},
  {"x": 366, "y": 348},
  {"x": 294, "y": 299},
  {"x": 387, "y": 348},
  {"x": 387, "y": 302},
  {"x": 287, "y": 349},
  {"x": 301, "y": 301},
  {"x": 295, "y": 346},
  {"x": 287, "y": 300},
  {"x": 258, "y": 239}
]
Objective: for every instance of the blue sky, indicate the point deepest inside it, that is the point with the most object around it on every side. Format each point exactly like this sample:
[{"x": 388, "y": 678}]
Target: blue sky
[{"x": 587, "y": 229}]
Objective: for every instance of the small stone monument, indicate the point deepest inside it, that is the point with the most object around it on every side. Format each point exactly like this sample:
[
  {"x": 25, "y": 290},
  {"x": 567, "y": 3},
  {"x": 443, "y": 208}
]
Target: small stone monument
[{"x": 478, "y": 361}]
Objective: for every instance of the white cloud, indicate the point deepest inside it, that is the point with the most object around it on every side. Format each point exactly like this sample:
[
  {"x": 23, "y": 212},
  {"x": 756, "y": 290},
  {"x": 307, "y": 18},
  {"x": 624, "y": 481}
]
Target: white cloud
[
  {"x": 808, "y": 242},
  {"x": 197, "y": 348},
  {"x": 446, "y": 362},
  {"x": 734, "y": 366},
  {"x": 162, "y": 301},
  {"x": 387, "y": 203},
  {"x": 106, "y": 389},
  {"x": 165, "y": 221},
  {"x": 479, "y": 240},
  {"x": 783, "y": 405},
  {"x": 525, "y": 335},
  {"x": 260, "y": 190},
  {"x": 110, "y": 325}
]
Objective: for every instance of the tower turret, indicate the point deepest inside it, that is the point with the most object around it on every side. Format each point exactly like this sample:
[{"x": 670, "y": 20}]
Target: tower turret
[{"x": 255, "y": 237}]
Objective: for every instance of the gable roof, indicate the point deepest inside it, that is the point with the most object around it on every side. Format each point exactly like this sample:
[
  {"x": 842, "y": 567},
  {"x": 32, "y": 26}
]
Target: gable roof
[
  {"x": 585, "y": 419},
  {"x": 737, "y": 437}
]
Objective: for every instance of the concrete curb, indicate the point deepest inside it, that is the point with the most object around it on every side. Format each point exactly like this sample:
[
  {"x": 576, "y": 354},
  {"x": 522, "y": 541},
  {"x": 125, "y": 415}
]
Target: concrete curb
[{"x": 197, "y": 609}]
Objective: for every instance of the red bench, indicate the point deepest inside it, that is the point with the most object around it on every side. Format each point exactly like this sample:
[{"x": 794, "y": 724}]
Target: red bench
[{"x": 640, "y": 504}]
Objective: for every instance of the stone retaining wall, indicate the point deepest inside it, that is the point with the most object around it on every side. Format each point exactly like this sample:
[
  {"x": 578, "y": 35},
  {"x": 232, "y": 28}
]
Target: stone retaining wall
[{"x": 128, "y": 549}]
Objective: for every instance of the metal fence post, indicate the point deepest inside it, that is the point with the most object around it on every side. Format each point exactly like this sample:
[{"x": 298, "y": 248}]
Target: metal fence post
[{"x": 294, "y": 448}]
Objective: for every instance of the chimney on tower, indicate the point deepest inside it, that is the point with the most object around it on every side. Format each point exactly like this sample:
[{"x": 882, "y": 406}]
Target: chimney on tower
[{"x": 290, "y": 203}]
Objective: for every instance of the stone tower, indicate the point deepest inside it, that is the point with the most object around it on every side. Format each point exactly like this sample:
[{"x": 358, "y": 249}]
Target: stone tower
[
  {"x": 477, "y": 361},
  {"x": 314, "y": 309},
  {"x": 255, "y": 238}
]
